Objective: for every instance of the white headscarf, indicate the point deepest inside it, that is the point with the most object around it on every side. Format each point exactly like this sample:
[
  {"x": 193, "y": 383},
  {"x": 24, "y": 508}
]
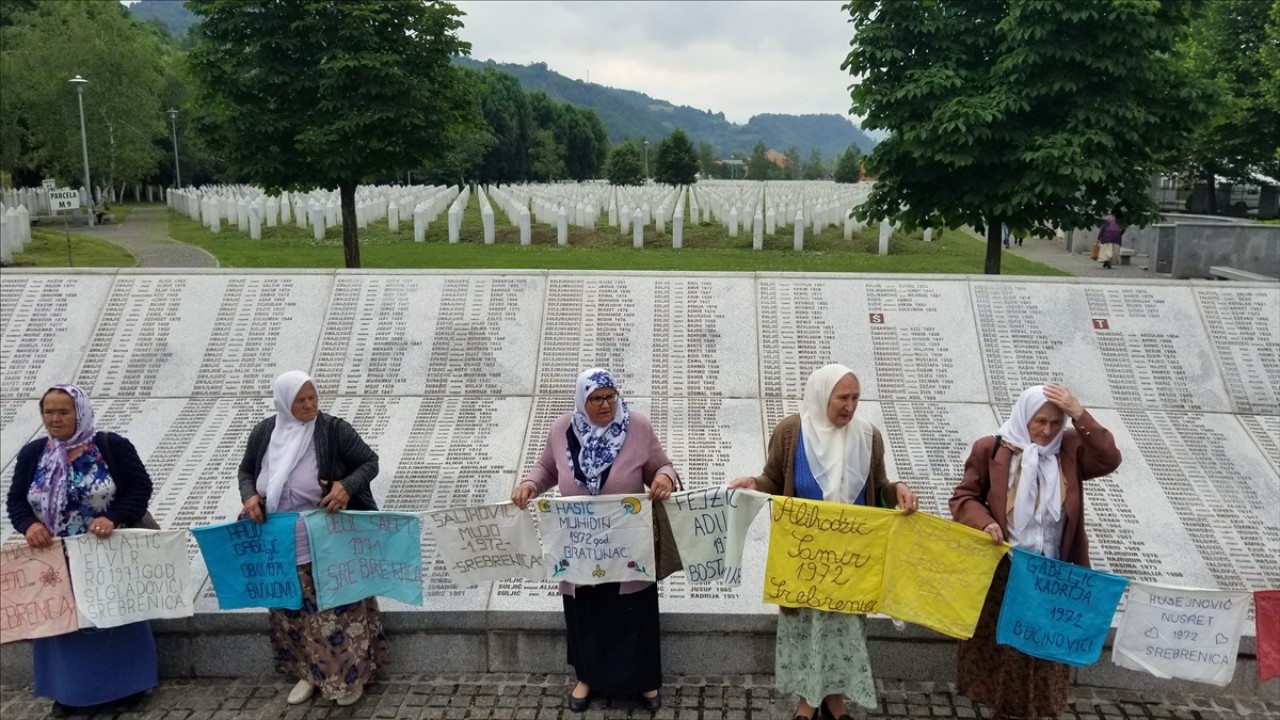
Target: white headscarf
[
  {"x": 839, "y": 458},
  {"x": 290, "y": 438},
  {"x": 1040, "y": 476}
]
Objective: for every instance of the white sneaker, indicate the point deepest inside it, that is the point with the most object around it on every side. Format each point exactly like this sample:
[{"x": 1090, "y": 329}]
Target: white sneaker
[
  {"x": 301, "y": 692},
  {"x": 351, "y": 699}
]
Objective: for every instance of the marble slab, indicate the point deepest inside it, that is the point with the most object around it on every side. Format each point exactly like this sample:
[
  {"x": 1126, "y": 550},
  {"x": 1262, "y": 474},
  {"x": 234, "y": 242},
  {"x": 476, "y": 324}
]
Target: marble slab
[
  {"x": 46, "y": 321},
  {"x": 19, "y": 423},
  {"x": 1245, "y": 334}
]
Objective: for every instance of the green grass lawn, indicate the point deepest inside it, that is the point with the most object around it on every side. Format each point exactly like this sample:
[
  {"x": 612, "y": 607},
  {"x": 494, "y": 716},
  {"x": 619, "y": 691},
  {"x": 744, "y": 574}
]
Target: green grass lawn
[
  {"x": 706, "y": 247},
  {"x": 48, "y": 248}
]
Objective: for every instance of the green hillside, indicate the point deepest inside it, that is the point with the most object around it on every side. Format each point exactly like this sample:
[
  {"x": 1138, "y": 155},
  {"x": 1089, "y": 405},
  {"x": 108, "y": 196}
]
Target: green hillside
[{"x": 173, "y": 13}]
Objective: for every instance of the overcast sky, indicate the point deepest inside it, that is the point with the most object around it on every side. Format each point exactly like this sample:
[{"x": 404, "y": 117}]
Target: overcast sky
[{"x": 740, "y": 58}]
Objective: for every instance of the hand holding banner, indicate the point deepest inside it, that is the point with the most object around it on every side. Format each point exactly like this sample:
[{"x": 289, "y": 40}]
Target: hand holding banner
[
  {"x": 252, "y": 564},
  {"x": 1056, "y": 610},
  {"x": 592, "y": 540},
  {"x": 1180, "y": 632},
  {"x": 130, "y": 576},
  {"x": 826, "y": 556},
  {"x": 486, "y": 543},
  {"x": 35, "y": 593},
  {"x": 710, "y": 528},
  {"x": 357, "y": 554},
  {"x": 938, "y": 573}
]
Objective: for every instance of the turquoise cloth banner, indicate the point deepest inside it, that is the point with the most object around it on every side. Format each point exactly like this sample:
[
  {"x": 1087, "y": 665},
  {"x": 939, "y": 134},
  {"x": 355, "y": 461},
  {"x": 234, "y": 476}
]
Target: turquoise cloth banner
[
  {"x": 1056, "y": 610},
  {"x": 251, "y": 564},
  {"x": 355, "y": 555}
]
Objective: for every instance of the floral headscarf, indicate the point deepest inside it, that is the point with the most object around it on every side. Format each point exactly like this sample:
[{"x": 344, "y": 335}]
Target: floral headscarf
[
  {"x": 599, "y": 445},
  {"x": 54, "y": 464}
]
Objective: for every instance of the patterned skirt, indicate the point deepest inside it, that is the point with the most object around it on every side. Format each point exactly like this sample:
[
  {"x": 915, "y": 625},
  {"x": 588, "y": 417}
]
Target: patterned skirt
[
  {"x": 823, "y": 653},
  {"x": 336, "y": 649},
  {"x": 1003, "y": 679}
]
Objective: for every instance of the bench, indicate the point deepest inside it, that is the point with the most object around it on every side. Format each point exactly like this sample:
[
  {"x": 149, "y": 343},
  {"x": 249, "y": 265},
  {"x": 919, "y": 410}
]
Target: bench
[
  {"x": 1223, "y": 272},
  {"x": 1126, "y": 254}
]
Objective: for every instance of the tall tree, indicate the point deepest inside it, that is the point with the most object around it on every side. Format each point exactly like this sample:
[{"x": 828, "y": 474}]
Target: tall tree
[
  {"x": 1225, "y": 55},
  {"x": 506, "y": 109},
  {"x": 1033, "y": 114},
  {"x": 546, "y": 157},
  {"x": 759, "y": 166},
  {"x": 706, "y": 159},
  {"x": 625, "y": 166},
  {"x": 676, "y": 162},
  {"x": 849, "y": 166},
  {"x": 814, "y": 168},
  {"x": 45, "y": 44},
  {"x": 328, "y": 92},
  {"x": 793, "y": 169}
]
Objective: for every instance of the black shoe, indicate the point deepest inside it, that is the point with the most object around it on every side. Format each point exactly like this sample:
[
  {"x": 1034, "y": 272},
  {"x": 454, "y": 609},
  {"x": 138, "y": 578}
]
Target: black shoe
[
  {"x": 652, "y": 704},
  {"x": 578, "y": 704},
  {"x": 59, "y": 710},
  {"x": 827, "y": 714},
  {"x": 1107, "y": 264}
]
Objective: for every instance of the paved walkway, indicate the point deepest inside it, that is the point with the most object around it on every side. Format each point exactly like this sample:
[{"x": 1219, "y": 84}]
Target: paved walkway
[
  {"x": 541, "y": 697},
  {"x": 145, "y": 233},
  {"x": 1054, "y": 254}
]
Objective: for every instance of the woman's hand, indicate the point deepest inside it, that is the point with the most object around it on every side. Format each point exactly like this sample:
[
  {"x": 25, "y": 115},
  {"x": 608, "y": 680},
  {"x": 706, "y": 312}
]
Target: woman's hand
[
  {"x": 337, "y": 499},
  {"x": 253, "y": 509},
  {"x": 907, "y": 500},
  {"x": 1059, "y": 395},
  {"x": 38, "y": 536},
  {"x": 746, "y": 481},
  {"x": 993, "y": 529},
  {"x": 102, "y": 527},
  {"x": 523, "y": 493},
  {"x": 661, "y": 487}
]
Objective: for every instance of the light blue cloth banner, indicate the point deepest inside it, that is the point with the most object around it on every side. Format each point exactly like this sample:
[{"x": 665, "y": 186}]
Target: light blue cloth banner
[
  {"x": 251, "y": 564},
  {"x": 355, "y": 555},
  {"x": 1056, "y": 610}
]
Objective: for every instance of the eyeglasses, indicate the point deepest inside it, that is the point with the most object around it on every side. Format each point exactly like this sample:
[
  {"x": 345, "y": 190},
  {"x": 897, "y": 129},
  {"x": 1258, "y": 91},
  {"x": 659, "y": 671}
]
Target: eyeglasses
[{"x": 602, "y": 400}]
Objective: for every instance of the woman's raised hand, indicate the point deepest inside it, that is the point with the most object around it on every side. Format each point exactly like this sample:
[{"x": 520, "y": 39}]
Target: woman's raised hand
[
  {"x": 746, "y": 481},
  {"x": 661, "y": 487},
  {"x": 523, "y": 493},
  {"x": 1062, "y": 397}
]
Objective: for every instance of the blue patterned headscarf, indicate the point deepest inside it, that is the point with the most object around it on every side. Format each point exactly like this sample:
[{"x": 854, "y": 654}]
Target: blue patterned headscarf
[
  {"x": 600, "y": 445},
  {"x": 54, "y": 464}
]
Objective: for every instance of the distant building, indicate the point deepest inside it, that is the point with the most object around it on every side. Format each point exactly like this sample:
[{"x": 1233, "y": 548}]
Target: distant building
[{"x": 777, "y": 158}]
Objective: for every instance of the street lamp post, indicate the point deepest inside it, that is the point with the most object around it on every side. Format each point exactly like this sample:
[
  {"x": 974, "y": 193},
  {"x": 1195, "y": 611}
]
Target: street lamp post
[
  {"x": 646, "y": 162},
  {"x": 79, "y": 82},
  {"x": 177, "y": 169}
]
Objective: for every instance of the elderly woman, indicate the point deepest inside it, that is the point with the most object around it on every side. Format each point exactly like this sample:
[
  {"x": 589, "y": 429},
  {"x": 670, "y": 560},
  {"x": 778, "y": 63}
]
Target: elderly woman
[
  {"x": 302, "y": 459},
  {"x": 826, "y": 453},
  {"x": 74, "y": 481},
  {"x": 1024, "y": 485},
  {"x": 612, "y": 629}
]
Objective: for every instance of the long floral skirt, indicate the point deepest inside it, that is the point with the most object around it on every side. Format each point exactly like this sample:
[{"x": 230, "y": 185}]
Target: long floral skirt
[
  {"x": 823, "y": 653},
  {"x": 336, "y": 649},
  {"x": 1003, "y": 679}
]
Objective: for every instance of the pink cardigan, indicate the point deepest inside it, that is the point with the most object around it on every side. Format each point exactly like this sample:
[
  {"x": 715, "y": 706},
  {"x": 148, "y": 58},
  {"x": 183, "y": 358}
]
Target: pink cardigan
[{"x": 638, "y": 462}]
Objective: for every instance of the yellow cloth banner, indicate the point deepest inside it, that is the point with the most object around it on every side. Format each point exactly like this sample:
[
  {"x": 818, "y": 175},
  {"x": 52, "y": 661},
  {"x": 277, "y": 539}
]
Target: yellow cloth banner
[
  {"x": 826, "y": 556},
  {"x": 855, "y": 559},
  {"x": 939, "y": 573}
]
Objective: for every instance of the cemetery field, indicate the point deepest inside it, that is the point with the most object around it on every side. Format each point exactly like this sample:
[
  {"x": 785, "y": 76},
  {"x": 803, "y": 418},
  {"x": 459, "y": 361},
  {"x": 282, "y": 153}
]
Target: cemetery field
[
  {"x": 707, "y": 247},
  {"x": 48, "y": 248}
]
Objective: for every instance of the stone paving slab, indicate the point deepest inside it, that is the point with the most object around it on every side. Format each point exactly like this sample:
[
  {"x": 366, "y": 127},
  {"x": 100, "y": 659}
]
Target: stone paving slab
[
  {"x": 542, "y": 697},
  {"x": 145, "y": 234}
]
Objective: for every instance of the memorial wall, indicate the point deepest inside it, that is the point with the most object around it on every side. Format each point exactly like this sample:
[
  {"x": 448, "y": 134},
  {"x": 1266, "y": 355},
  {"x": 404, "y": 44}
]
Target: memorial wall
[{"x": 455, "y": 377}]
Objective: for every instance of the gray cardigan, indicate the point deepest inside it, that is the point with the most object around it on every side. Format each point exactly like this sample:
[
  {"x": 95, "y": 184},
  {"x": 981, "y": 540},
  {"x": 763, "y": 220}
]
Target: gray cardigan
[{"x": 341, "y": 454}]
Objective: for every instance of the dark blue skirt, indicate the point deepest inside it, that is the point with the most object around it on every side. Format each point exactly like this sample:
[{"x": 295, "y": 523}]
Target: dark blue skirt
[{"x": 95, "y": 666}]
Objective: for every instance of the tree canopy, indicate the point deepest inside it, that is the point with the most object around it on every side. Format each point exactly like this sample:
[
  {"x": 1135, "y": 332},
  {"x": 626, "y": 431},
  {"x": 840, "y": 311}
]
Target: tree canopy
[
  {"x": 625, "y": 166},
  {"x": 328, "y": 93},
  {"x": 676, "y": 162},
  {"x": 1039, "y": 115},
  {"x": 849, "y": 166}
]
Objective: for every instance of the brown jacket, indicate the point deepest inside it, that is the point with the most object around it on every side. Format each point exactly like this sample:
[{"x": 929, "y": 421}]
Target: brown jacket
[
  {"x": 1088, "y": 451},
  {"x": 778, "y": 477}
]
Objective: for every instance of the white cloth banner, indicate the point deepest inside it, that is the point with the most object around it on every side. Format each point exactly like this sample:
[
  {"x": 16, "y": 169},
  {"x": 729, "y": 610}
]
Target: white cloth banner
[
  {"x": 484, "y": 543},
  {"x": 1174, "y": 632},
  {"x": 710, "y": 527},
  {"x": 593, "y": 540},
  {"x": 132, "y": 575}
]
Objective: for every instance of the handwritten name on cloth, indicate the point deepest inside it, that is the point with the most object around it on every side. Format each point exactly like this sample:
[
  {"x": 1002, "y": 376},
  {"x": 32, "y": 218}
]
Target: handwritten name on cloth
[
  {"x": 1057, "y": 611},
  {"x": 485, "y": 543},
  {"x": 710, "y": 528},
  {"x": 1266, "y": 612},
  {"x": 1174, "y": 632},
  {"x": 938, "y": 573},
  {"x": 252, "y": 564},
  {"x": 357, "y": 554},
  {"x": 592, "y": 540},
  {"x": 130, "y": 576},
  {"x": 35, "y": 593},
  {"x": 826, "y": 556}
]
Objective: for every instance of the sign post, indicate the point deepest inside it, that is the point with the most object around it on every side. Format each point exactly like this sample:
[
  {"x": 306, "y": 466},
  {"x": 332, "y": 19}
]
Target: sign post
[{"x": 64, "y": 200}]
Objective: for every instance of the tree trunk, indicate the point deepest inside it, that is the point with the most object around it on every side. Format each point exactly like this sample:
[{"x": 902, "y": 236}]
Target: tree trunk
[
  {"x": 1211, "y": 185},
  {"x": 993, "y": 248},
  {"x": 350, "y": 243}
]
